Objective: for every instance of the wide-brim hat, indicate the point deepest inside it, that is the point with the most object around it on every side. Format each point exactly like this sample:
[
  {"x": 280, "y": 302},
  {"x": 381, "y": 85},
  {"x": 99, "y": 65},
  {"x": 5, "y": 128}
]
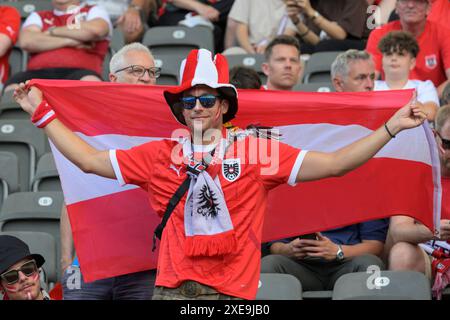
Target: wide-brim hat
[
  {"x": 12, "y": 250},
  {"x": 201, "y": 68}
]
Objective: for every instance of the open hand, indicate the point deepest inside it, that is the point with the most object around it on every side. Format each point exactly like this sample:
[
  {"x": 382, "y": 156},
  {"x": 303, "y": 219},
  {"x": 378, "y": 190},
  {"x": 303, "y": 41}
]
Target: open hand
[{"x": 28, "y": 98}]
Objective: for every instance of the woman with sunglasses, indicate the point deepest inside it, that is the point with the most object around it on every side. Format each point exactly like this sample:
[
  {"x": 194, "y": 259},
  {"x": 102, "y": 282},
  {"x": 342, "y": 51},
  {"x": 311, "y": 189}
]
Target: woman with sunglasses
[{"x": 19, "y": 271}]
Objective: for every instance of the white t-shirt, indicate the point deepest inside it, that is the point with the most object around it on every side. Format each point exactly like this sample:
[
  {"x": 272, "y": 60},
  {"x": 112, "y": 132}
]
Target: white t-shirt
[
  {"x": 95, "y": 12},
  {"x": 426, "y": 91}
]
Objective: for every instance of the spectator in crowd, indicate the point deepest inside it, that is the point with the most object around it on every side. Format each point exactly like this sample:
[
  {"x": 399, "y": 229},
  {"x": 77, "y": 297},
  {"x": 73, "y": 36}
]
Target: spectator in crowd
[
  {"x": 219, "y": 245},
  {"x": 129, "y": 16},
  {"x": 9, "y": 32},
  {"x": 19, "y": 271},
  {"x": 133, "y": 64},
  {"x": 319, "y": 259},
  {"x": 353, "y": 71},
  {"x": 69, "y": 42},
  {"x": 283, "y": 66},
  {"x": 255, "y": 23},
  {"x": 406, "y": 233},
  {"x": 446, "y": 95},
  {"x": 326, "y": 25},
  {"x": 399, "y": 51},
  {"x": 440, "y": 12},
  {"x": 245, "y": 78},
  {"x": 383, "y": 12},
  {"x": 433, "y": 59},
  {"x": 204, "y": 12}
]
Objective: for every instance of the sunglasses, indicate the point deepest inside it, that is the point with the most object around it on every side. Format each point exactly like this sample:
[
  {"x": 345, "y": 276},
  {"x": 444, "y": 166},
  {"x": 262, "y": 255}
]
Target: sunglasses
[
  {"x": 12, "y": 276},
  {"x": 207, "y": 101},
  {"x": 445, "y": 142}
]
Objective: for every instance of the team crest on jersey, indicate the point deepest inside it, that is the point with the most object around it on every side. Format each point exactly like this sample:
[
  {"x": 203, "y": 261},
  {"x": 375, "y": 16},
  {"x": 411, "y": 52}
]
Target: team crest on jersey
[
  {"x": 231, "y": 169},
  {"x": 431, "y": 61}
]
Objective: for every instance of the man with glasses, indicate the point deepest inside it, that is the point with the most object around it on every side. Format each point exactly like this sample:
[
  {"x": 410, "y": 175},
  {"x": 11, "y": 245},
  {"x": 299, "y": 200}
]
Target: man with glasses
[
  {"x": 405, "y": 233},
  {"x": 210, "y": 238},
  {"x": 433, "y": 59},
  {"x": 133, "y": 64},
  {"x": 19, "y": 271}
]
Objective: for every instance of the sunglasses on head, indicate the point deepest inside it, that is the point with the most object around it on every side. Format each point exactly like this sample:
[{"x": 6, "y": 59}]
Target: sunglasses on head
[
  {"x": 206, "y": 100},
  {"x": 12, "y": 276},
  {"x": 445, "y": 142}
]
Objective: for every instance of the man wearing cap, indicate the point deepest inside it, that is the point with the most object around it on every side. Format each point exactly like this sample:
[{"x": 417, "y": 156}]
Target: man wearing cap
[
  {"x": 210, "y": 247},
  {"x": 19, "y": 271}
]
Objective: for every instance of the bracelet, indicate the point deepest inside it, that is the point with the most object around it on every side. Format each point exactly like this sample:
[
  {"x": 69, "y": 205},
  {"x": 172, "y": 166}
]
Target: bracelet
[
  {"x": 386, "y": 127},
  {"x": 304, "y": 34},
  {"x": 43, "y": 115}
]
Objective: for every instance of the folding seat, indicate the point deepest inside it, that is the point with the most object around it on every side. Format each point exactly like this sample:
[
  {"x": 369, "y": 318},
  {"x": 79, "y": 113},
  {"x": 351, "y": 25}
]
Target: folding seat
[
  {"x": 178, "y": 40},
  {"x": 44, "y": 244},
  {"x": 278, "y": 286},
  {"x": 33, "y": 211},
  {"x": 382, "y": 285},
  {"x": 9, "y": 174},
  {"x": 318, "y": 67},
  {"x": 317, "y": 295},
  {"x": 47, "y": 177},
  {"x": 26, "y": 7},
  {"x": 28, "y": 143},
  {"x": 17, "y": 60},
  {"x": 170, "y": 67},
  {"x": 315, "y": 87},
  {"x": 253, "y": 61},
  {"x": 10, "y": 109}
]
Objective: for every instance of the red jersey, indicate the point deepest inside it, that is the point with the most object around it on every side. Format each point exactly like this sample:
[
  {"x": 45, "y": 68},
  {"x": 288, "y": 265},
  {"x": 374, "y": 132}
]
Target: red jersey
[
  {"x": 433, "y": 57},
  {"x": 150, "y": 167},
  {"x": 68, "y": 57},
  {"x": 9, "y": 26},
  {"x": 440, "y": 12}
]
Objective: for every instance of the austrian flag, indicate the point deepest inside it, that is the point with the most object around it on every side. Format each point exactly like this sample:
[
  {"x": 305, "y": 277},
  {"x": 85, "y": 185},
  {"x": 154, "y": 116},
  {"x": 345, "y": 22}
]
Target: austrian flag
[{"x": 113, "y": 225}]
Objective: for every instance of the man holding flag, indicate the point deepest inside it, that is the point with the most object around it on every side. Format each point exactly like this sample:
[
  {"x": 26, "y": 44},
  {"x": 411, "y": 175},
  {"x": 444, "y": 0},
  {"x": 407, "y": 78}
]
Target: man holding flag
[{"x": 210, "y": 247}]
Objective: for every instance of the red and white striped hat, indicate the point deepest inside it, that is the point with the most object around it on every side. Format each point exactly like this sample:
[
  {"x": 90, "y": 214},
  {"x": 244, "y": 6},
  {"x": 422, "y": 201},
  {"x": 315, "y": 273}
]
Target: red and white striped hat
[{"x": 200, "y": 68}]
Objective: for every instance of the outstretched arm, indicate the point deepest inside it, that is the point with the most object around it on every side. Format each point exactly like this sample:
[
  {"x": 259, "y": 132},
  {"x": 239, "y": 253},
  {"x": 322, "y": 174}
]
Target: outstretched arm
[
  {"x": 84, "y": 156},
  {"x": 318, "y": 165}
]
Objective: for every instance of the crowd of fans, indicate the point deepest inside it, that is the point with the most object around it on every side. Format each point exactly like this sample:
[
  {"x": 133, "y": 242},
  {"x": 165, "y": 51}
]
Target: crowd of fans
[{"x": 411, "y": 51}]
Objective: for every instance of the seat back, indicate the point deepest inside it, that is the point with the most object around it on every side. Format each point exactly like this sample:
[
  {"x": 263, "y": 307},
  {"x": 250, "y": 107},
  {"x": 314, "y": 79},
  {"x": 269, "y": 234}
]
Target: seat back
[
  {"x": 9, "y": 174},
  {"x": 10, "y": 109},
  {"x": 253, "y": 61},
  {"x": 47, "y": 177},
  {"x": 382, "y": 285},
  {"x": 178, "y": 40},
  {"x": 170, "y": 66},
  {"x": 318, "y": 67},
  {"x": 17, "y": 60},
  {"x": 27, "y": 142},
  {"x": 278, "y": 286},
  {"x": 315, "y": 87},
  {"x": 41, "y": 243},
  {"x": 26, "y": 7}
]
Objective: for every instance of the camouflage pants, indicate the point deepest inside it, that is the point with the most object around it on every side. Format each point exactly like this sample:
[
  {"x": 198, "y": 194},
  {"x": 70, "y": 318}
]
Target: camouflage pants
[{"x": 190, "y": 290}]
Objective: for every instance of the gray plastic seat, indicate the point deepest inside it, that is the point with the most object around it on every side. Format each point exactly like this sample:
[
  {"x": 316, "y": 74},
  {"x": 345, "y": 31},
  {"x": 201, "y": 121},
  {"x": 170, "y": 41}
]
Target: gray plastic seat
[
  {"x": 22, "y": 138},
  {"x": 318, "y": 67},
  {"x": 26, "y": 7},
  {"x": 170, "y": 67},
  {"x": 9, "y": 174},
  {"x": 33, "y": 211},
  {"x": 43, "y": 244},
  {"x": 178, "y": 40},
  {"x": 315, "y": 87},
  {"x": 388, "y": 285},
  {"x": 17, "y": 60},
  {"x": 47, "y": 176},
  {"x": 253, "y": 61},
  {"x": 279, "y": 286},
  {"x": 10, "y": 109}
]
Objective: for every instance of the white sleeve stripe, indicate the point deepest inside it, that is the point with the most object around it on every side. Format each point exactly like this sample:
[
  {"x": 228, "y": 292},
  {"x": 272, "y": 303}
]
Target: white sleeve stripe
[
  {"x": 44, "y": 118},
  {"x": 115, "y": 165},
  {"x": 296, "y": 167}
]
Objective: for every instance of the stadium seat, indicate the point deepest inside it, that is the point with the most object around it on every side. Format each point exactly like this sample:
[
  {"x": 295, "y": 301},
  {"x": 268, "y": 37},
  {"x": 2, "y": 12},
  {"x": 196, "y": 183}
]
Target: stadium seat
[
  {"x": 26, "y": 7},
  {"x": 178, "y": 40},
  {"x": 17, "y": 60},
  {"x": 9, "y": 174},
  {"x": 33, "y": 211},
  {"x": 43, "y": 244},
  {"x": 315, "y": 87},
  {"x": 317, "y": 295},
  {"x": 253, "y": 61},
  {"x": 117, "y": 40},
  {"x": 388, "y": 285},
  {"x": 47, "y": 177},
  {"x": 27, "y": 142},
  {"x": 318, "y": 67},
  {"x": 10, "y": 109},
  {"x": 278, "y": 286},
  {"x": 106, "y": 60},
  {"x": 170, "y": 66}
]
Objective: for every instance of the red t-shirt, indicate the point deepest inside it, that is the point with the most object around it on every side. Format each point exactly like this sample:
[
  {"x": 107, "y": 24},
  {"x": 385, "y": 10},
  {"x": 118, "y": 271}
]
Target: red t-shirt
[
  {"x": 150, "y": 166},
  {"x": 9, "y": 25},
  {"x": 440, "y": 12},
  {"x": 434, "y": 55}
]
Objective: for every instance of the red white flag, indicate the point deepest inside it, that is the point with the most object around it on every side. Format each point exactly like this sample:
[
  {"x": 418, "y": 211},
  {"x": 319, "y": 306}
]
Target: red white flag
[{"x": 113, "y": 225}]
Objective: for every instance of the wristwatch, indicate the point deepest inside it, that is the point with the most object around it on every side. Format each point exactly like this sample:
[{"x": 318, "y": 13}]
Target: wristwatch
[
  {"x": 315, "y": 15},
  {"x": 339, "y": 253},
  {"x": 135, "y": 7}
]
